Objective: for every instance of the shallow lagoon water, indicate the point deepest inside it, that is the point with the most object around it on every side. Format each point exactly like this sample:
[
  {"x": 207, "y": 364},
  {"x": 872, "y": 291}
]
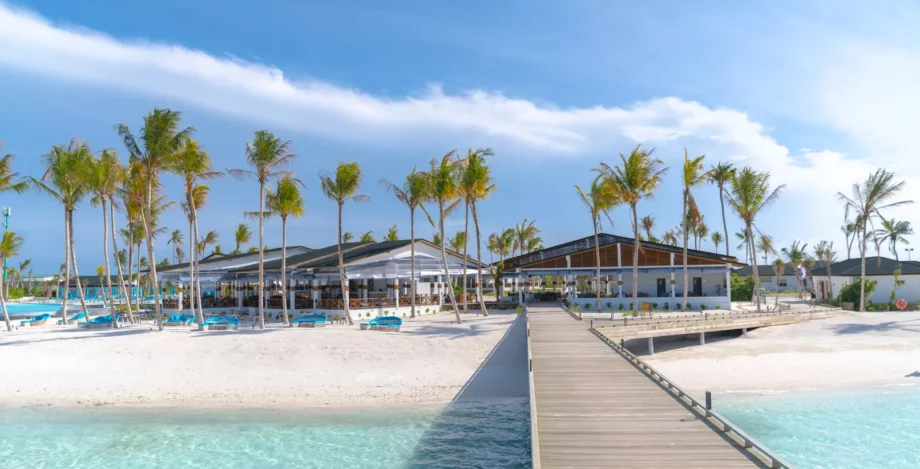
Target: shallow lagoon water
[{"x": 469, "y": 434}]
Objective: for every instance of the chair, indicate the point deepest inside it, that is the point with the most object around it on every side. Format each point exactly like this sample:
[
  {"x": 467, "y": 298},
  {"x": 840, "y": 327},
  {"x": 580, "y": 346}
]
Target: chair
[
  {"x": 383, "y": 323},
  {"x": 35, "y": 320},
  {"x": 220, "y": 323},
  {"x": 179, "y": 320},
  {"x": 98, "y": 322},
  {"x": 73, "y": 318},
  {"x": 310, "y": 320}
]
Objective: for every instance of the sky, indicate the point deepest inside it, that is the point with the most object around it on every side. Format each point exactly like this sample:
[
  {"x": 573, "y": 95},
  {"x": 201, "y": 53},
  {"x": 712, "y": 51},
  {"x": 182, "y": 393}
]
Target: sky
[{"x": 817, "y": 93}]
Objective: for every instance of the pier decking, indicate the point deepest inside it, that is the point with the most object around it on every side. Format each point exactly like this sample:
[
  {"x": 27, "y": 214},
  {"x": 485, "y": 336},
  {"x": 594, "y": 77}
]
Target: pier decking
[{"x": 594, "y": 407}]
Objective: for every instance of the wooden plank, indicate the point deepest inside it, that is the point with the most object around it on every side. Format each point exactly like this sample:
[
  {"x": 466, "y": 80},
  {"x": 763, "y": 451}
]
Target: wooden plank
[{"x": 595, "y": 409}]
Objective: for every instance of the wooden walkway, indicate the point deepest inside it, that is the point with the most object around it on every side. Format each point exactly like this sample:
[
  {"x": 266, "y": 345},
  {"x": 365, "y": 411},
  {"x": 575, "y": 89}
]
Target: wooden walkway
[{"x": 595, "y": 409}]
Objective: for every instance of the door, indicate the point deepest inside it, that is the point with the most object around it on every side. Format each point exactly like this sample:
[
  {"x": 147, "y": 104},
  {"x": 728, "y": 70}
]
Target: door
[
  {"x": 697, "y": 286},
  {"x": 662, "y": 290}
]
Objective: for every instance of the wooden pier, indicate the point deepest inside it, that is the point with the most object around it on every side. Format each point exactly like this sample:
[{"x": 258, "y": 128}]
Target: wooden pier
[{"x": 595, "y": 405}]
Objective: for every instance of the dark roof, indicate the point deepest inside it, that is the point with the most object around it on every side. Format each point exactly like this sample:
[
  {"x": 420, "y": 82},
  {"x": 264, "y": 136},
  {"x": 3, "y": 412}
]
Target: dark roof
[
  {"x": 874, "y": 266},
  {"x": 359, "y": 253},
  {"x": 767, "y": 270},
  {"x": 223, "y": 257},
  {"x": 90, "y": 280},
  {"x": 313, "y": 255},
  {"x": 604, "y": 239}
]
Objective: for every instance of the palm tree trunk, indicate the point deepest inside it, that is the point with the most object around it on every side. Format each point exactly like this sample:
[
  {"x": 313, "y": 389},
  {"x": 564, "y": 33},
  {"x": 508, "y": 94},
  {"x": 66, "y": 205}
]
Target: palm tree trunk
[
  {"x": 76, "y": 273},
  {"x": 724, "y": 224},
  {"x": 151, "y": 259},
  {"x": 131, "y": 268},
  {"x": 412, "y": 261},
  {"x": 6, "y": 315},
  {"x": 686, "y": 274},
  {"x": 193, "y": 248},
  {"x": 66, "y": 290},
  {"x": 482, "y": 301},
  {"x": 261, "y": 258},
  {"x": 105, "y": 255},
  {"x": 756, "y": 273},
  {"x": 284, "y": 276},
  {"x": 635, "y": 285},
  {"x": 197, "y": 267},
  {"x": 466, "y": 242},
  {"x": 342, "y": 281},
  {"x": 121, "y": 279},
  {"x": 862, "y": 273},
  {"x": 450, "y": 291},
  {"x": 830, "y": 285},
  {"x": 597, "y": 260}
]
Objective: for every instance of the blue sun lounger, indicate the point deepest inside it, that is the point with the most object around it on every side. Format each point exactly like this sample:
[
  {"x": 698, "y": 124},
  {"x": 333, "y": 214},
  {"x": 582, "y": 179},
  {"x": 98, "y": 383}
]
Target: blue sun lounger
[
  {"x": 73, "y": 318},
  {"x": 179, "y": 320},
  {"x": 97, "y": 322},
  {"x": 35, "y": 320},
  {"x": 383, "y": 323},
  {"x": 310, "y": 320},
  {"x": 220, "y": 323}
]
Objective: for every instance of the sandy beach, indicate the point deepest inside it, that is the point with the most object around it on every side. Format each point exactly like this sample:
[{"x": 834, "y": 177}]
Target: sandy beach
[
  {"x": 429, "y": 361},
  {"x": 850, "y": 350}
]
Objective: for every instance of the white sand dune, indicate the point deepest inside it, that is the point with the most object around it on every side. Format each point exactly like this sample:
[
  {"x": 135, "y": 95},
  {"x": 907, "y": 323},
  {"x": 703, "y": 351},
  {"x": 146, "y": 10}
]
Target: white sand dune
[
  {"x": 847, "y": 351},
  {"x": 429, "y": 361}
]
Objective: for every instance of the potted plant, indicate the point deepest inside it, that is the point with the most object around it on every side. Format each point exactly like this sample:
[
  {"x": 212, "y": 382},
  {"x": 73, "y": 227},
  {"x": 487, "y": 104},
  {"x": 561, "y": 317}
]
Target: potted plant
[{"x": 609, "y": 305}]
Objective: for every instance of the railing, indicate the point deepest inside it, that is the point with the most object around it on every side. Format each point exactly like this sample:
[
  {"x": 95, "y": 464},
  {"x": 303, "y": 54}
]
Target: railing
[
  {"x": 747, "y": 442},
  {"x": 470, "y": 298},
  {"x": 534, "y": 433},
  {"x": 384, "y": 302},
  {"x": 697, "y": 317}
]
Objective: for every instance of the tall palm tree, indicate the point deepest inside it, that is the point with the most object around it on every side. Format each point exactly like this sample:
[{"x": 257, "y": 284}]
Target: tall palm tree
[
  {"x": 102, "y": 179},
  {"x": 637, "y": 178},
  {"x": 648, "y": 222},
  {"x": 601, "y": 197},
  {"x": 9, "y": 247},
  {"x": 285, "y": 201},
  {"x": 341, "y": 187},
  {"x": 161, "y": 139},
  {"x": 242, "y": 236},
  {"x": 176, "y": 240},
  {"x": 720, "y": 175},
  {"x": 209, "y": 239},
  {"x": 347, "y": 237},
  {"x": 458, "y": 242},
  {"x": 23, "y": 265},
  {"x": 392, "y": 234},
  {"x": 669, "y": 238},
  {"x": 367, "y": 237},
  {"x": 716, "y": 239},
  {"x": 894, "y": 232},
  {"x": 267, "y": 155},
  {"x": 193, "y": 165},
  {"x": 744, "y": 239},
  {"x": 702, "y": 231},
  {"x": 866, "y": 201},
  {"x": 694, "y": 175},
  {"x": 749, "y": 194},
  {"x": 64, "y": 179},
  {"x": 849, "y": 230},
  {"x": 475, "y": 185},
  {"x": 778, "y": 268},
  {"x": 413, "y": 193},
  {"x": 444, "y": 191},
  {"x": 824, "y": 252},
  {"x": 524, "y": 232},
  {"x": 6, "y": 179},
  {"x": 765, "y": 244}
]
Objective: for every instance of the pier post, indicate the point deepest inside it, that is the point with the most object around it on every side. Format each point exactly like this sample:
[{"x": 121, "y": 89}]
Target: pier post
[
  {"x": 743, "y": 332},
  {"x": 702, "y": 338},
  {"x": 651, "y": 346},
  {"x": 708, "y": 400}
]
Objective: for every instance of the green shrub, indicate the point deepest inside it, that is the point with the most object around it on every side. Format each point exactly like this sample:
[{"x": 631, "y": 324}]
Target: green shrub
[
  {"x": 742, "y": 288},
  {"x": 655, "y": 306},
  {"x": 609, "y": 305},
  {"x": 587, "y": 305},
  {"x": 667, "y": 307},
  {"x": 718, "y": 306},
  {"x": 621, "y": 306},
  {"x": 16, "y": 293},
  {"x": 850, "y": 292},
  {"x": 689, "y": 307}
]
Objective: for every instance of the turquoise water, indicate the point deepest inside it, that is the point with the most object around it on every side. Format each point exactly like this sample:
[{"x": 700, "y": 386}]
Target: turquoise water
[
  {"x": 488, "y": 434},
  {"x": 867, "y": 429},
  {"x": 28, "y": 308}
]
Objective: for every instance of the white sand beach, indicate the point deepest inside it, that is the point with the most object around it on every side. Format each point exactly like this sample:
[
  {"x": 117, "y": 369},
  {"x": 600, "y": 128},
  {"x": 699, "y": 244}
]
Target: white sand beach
[
  {"x": 849, "y": 350},
  {"x": 429, "y": 361}
]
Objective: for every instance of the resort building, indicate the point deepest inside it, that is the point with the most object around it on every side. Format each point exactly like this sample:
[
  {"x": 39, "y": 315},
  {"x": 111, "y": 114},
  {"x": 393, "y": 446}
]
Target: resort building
[
  {"x": 572, "y": 267},
  {"x": 379, "y": 277},
  {"x": 891, "y": 276},
  {"x": 787, "y": 281}
]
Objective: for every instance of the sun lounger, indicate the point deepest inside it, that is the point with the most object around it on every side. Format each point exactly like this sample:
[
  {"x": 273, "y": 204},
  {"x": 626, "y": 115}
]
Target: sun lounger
[
  {"x": 73, "y": 318},
  {"x": 310, "y": 320},
  {"x": 35, "y": 320},
  {"x": 383, "y": 323},
  {"x": 179, "y": 320},
  {"x": 219, "y": 323},
  {"x": 98, "y": 322}
]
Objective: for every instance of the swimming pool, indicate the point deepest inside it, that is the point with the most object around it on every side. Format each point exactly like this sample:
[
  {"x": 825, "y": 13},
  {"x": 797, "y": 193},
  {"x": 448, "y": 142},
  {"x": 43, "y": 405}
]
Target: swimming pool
[{"x": 29, "y": 309}]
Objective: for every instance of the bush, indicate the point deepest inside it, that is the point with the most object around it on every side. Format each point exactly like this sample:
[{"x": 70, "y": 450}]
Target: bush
[
  {"x": 850, "y": 293},
  {"x": 609, "y": 305},
  {"x": 16, "y": 293},
  {"x": 667, "y": 307},
  {"x": 742, "y": 289},
  {"x": 587, "y": 305},
  {"x": 621, "y": 306}
]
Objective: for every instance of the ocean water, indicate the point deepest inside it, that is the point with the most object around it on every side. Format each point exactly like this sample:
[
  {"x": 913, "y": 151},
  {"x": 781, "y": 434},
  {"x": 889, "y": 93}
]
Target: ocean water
[
  {"x": 865, "y": 429},
  {"x": 463, "y": 435}
]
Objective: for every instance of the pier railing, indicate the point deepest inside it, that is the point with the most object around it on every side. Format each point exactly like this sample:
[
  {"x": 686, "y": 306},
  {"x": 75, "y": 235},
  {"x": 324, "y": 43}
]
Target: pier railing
[
  {"x": 743, "y": 439},
  {"x": 534, "y": 434}
]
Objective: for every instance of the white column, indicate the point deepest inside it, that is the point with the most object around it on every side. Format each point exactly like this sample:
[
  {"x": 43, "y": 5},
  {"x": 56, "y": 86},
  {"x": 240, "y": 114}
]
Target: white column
[
  {"x": 619, "y": 272},
  {"x": 673, "y": 285},
  {"x": 651, "y": 346},
  {"x": 728, "y": 284},
  {"x": 396, "y": 290},
  {"x": 180, "y": 296},
  {"x": 702, "y": 338},
  {"x": 290, "y": 284},
  {"x": 239, "y": 294},
  {"x": 315, "y": 293}
]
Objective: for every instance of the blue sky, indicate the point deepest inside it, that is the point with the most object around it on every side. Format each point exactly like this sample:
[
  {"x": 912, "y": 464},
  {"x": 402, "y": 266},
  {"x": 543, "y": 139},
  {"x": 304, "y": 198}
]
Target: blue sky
[{"x": 817, "y": 93}]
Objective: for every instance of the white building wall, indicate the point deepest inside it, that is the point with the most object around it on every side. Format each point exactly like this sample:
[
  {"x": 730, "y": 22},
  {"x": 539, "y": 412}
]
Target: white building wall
[{"x": 909, "y": 290}]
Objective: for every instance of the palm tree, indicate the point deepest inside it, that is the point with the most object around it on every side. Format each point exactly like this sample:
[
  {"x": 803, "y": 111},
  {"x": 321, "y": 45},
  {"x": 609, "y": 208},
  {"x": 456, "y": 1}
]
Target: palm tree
[
  {"x": 694, "y": 175},
  {"x": 600, "y": 199},
  {"x": 765, "y": 244},
  {"x": 893, "y": 232},
  {"x": 102, "y": 179},
  {"x": 669, "y": 238},
  {"x": 23, "y": 265},
  {"x": 340, "y": 188},
  {"x": 716, "y": 239},
  {"x": 720, "y": 175},
  {"x": 648, "y": 222},
  {"x": 637, "y": 179},
  {"x": 475, "y": 185},
  {"x": 9, "y": 247},
  {"x": 347, "y": 237},
  {"x": 795, "y": 256},
  {"x": 444, "y": 190},
  {"x": 866, "y": 201},
  {"x": 778, "y": 268},
  {"x": 744, "y": 239},
  {"x": 524, "y": 232},
  {"x": 824, "y": 252},
  {"x": 242, "y": 235},
  {"x": 162, "y": 140},
  {"x": 217, "y": 249},
  {"x": 414, "y": 191},
  {"x": 750, "y": 193},
  {"x": 193, "y": 165},
  {"x": 367, "y": 237},
  {"x": 176, "y": 240},
  {"x": 266, "y": 154},
  {"x": 702, "y": 231},
  {"x": 849, "y": 230},
  {"x": 210, "y": 238},
  {"x": 392, "y": 234},
  {"x": 808, "y": 263},
  {"x": 458, "y": 242},
  {"x": 65, "y": 180},
  {"x": 285, "y": 201}
]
